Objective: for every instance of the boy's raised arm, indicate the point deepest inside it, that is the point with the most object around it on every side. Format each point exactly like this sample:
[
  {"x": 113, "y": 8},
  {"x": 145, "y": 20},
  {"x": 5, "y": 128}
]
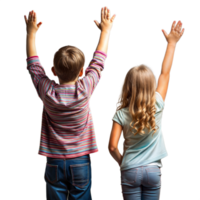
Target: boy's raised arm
[
  {"x": 103, "y": 44},
  {"x": 105, "y": 27},
  {"x": 32, "y": 28},
  {"x": 31, "y": 43}
]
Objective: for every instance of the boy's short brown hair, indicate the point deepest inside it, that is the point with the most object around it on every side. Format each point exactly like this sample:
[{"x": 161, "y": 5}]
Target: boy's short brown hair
[{"x": 68, "y": 62}]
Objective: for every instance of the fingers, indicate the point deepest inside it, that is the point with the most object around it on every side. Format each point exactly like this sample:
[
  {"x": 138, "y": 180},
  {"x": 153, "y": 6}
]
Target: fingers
[
  {"x": 28, "y": 16},
  {"x": 183, "y": 30},
  {"x": 177, "y": 26},
  {"x": 109, "y": 12},
  {"x": 35, "y": 16},
  {"x": 105, "y": 13},
  {"x": 31, "y": 17},
  {"x": 24, "y": 18},
  {"x": 172, "y": 27},
  {"x": 112, "y": 18},
  {"x": 102, "y": 12},
  {"x": 179, "y": 29},
  {"x": 165, "y": 33},
  {"x": 97, "y": 23}
]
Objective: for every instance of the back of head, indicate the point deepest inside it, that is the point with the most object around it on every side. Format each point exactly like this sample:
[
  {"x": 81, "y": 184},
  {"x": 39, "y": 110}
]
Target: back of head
[
  {"x": 68, "y": 62},
  {"x": 138, "y": 93}
]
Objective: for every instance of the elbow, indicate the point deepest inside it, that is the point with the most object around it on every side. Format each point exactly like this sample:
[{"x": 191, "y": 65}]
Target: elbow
[{"x": 111, "y": 149}]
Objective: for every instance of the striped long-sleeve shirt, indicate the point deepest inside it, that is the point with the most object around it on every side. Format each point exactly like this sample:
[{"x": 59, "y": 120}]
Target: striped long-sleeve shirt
[{"x": 67, "y": 127}]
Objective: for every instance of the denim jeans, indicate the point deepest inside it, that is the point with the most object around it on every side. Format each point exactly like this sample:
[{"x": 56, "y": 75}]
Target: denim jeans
[
  {"x": 71, "y": 179},
  {"x": 141, "y": 183},
  {"x": 68, "y": 179}
]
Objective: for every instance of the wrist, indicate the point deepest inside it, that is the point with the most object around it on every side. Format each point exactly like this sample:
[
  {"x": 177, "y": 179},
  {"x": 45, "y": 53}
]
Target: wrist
[
  {"x": 30, "y": 35},
  {"x": 172, "y": 44},
  {"x": 105, "y": 31}
]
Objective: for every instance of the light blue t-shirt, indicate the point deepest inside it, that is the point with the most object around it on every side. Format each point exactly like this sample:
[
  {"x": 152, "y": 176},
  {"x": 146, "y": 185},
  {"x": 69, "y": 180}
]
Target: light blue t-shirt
[{"x": 139, "y": 149}]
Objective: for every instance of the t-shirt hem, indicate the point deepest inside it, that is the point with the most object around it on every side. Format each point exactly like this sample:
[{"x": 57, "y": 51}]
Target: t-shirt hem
[{"x": 69, "y": 156}]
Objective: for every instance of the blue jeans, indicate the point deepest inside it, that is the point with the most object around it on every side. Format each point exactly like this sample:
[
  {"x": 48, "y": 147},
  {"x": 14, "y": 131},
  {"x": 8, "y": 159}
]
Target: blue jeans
[
  {"x": 141, "y": 183},
  {"x": 71, "y": 179},
  {"x": 68, "y": 178}
]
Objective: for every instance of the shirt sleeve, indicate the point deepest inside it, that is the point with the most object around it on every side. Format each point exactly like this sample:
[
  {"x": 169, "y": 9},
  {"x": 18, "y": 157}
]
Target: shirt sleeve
[
  {"x": 38, "y": 76},
  {"x": 94, "y": 71},
  {"x": 159, "y": 102},
  {"x": 116, "y": 117}
]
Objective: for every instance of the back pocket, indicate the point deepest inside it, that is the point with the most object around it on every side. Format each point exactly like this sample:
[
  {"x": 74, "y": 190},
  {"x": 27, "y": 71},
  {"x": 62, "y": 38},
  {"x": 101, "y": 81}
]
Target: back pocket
[
  {"x": 80, "y": 174},
  {"x": 128, "y": 177},
  {"x": 51, "y": 173},
  {"x": 154, "y": 176}
]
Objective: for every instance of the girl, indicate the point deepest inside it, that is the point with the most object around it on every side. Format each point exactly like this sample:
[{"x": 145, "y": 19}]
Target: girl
[{"x": 140, "y": 106}]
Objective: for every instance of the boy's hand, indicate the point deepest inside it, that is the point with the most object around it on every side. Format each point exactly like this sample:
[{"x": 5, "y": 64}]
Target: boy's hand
[
  {"x": 31, "y": 23},
  {"x": 106, "y": 21},
  {"x": 175, "y": 34}
]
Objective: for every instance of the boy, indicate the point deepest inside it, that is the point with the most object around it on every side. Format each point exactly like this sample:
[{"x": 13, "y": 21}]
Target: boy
[{"x": 67, "y": 129}]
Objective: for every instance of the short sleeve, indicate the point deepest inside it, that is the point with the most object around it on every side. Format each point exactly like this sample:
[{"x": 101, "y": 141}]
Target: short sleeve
[
  {"x": 116, "y": 116},
  {"x": 160, "y": 104}
]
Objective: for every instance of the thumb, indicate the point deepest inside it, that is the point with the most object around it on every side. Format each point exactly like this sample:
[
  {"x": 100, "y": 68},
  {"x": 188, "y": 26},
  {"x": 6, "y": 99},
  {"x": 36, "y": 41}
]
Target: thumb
[
  {"x": 164, "y": 32},
  {"x": 40, "y": 24},
  {"x": 95, "y": 22},
  {"x": 114, "y": 16}
]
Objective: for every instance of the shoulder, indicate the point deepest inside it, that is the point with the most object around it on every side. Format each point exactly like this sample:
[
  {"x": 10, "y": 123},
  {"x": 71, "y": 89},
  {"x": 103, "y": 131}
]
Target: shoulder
[{"x": 120, "y": 116}]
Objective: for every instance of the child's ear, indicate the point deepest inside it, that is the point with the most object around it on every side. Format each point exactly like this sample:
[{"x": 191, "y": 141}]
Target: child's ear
[
  {"x": 52, "y": 71},
  {"x": 81, "y": 72}
]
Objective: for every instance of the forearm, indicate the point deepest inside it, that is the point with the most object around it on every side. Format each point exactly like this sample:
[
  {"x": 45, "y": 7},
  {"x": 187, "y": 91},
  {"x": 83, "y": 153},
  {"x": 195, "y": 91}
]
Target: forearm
[
  {"x": 103, "y": 41},
  {"x": 30, "y": 45},
  {"x": 116, "y": 155},
  {"x": 168, "y": 59}
]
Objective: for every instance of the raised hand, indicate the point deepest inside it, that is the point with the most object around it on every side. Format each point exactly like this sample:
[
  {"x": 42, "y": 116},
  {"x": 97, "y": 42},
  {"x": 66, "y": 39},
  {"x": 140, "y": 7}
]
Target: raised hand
[
  {"x": 175, "y": 34},
  {"x": 106, "y": 21},
  {"x": 32, "y": 23}
]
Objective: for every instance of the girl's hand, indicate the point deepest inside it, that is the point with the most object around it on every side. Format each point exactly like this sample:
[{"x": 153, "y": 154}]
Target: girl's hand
[
  {"x": 175, "y": 34},
  {"x": 106, "y": 21},
  {"x": 31, "y": 23}
]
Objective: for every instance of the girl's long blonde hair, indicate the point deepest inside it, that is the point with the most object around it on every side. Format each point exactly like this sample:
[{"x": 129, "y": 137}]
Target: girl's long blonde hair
[{"x": 138, "y": 94}]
